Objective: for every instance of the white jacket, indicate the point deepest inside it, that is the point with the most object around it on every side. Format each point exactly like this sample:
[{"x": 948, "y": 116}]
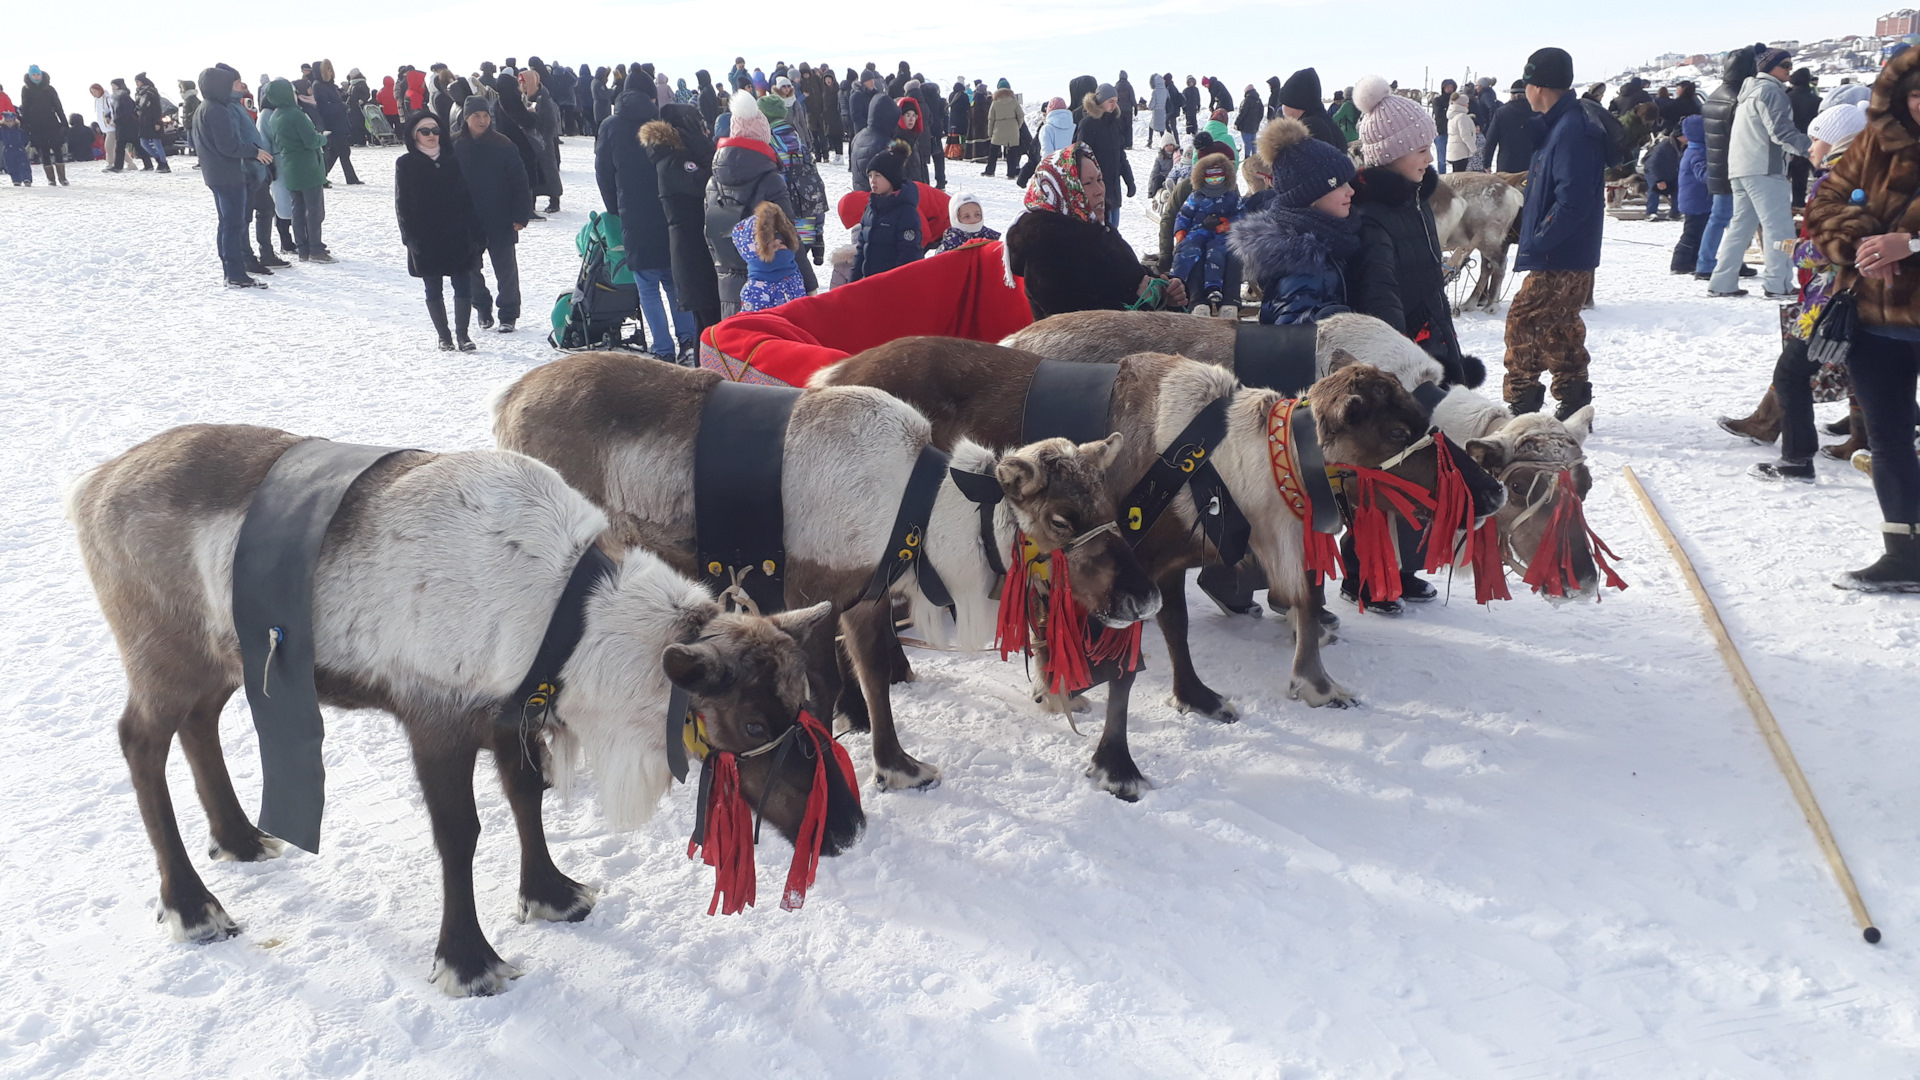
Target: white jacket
[
  {"x": 1461, "y": 134},
  {"x": 103, "y": 112}
]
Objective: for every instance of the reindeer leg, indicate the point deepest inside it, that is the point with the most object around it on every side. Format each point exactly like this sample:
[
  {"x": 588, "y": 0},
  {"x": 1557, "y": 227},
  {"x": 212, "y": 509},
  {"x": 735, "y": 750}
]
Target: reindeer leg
[
  {"x": 1311, "y": 683},
  {"x": 235, "y": 837},
  {"x": 146, "y": 735},
  {"x": 1113, "y": 768},
  {"x": 869, "y": 632},
  {"x": 464, "y": 963},
  {"x": 545, "y": 892},
  {"x": 1189, "y": 693}
]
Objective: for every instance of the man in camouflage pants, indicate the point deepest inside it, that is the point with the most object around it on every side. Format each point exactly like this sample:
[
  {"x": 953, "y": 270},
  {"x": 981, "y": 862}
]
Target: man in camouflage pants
[{"x": 1559, "y": 243}]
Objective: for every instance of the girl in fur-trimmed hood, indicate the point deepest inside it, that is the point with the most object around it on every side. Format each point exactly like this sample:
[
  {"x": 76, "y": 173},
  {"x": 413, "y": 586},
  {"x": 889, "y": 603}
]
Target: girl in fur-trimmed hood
[{"x": 1296, "y": 246}]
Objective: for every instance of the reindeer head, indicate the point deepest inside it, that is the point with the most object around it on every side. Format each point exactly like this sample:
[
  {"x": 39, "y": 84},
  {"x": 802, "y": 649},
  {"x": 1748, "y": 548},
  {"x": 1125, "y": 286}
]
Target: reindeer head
[
  {"x": 1058, "y": 492},
  {"x": 1526, "y": 454},
  {"x": 748, "y": 678},
  {"x": 1365, "y": 416}
]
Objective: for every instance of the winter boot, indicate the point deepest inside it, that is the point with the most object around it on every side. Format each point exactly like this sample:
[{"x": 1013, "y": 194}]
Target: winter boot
[
  {"x": 1762, "y": 426},
  {"x": 1856, "y": 434},
  {"x": 1529, "y": 400},
  {"x": 1573, "y": 397},
  {"x": 553, "y": 205},
  {"x": 462, "y": 313},
  {"x": 60, "y": 170},
  {"x": 164, "y": 167},
  {"x": 48, "y": 166},
  {"x": 271, "y": 261},
  {"x": 1898, "y": 571},
  {"x": 287, "y": 246},
  {"x": 1784, "y": 469},
  {"x": 1229, "y": 588},
  {"x": 437, "y": 311},
  {"x": 255, "y": 266}
]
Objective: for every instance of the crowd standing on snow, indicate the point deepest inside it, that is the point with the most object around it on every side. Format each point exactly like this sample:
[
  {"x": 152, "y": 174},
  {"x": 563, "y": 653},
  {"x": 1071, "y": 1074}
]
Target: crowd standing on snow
[{"x": 1321, "y": 205}]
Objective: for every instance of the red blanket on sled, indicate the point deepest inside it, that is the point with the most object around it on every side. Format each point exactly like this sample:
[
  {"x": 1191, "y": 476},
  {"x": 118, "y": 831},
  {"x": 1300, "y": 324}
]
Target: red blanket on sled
[{"x": 960, "y": 293}]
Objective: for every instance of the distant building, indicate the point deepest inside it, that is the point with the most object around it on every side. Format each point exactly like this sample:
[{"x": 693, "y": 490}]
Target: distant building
[{"x": 1904, "y": 21}]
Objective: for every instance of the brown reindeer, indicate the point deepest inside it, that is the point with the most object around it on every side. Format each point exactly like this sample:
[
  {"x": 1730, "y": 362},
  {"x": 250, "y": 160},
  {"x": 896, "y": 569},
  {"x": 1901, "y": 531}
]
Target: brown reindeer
[
  {"x": 432, "y": 593},
  {"x": 977, "y": 391},
  {"x": 1478, "y": 212},
  {"x": 623, "y": 431}
]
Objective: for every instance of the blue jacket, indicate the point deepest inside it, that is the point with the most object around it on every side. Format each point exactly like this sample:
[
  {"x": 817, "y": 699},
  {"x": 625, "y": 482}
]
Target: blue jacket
[
  {"x": 1198, "y": 207},
  {"x": 1566, "y": 191},
  {"x": 889, "y": 233},
  {"x": 1299, "y": 269},
  {"x": 1663, "y": 165},
  {"x": 1694, "y": 196}
]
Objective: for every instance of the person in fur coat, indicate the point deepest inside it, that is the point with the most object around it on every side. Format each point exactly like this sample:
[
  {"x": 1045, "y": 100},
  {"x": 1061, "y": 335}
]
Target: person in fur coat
[
  {"x": 1297, "y": 248},
  {"x": 1397, "y": 275},
  {"x": 438, "y": 224},
  {"x": 683, "y": 164},
  {"x": 1069, "y": 257}
]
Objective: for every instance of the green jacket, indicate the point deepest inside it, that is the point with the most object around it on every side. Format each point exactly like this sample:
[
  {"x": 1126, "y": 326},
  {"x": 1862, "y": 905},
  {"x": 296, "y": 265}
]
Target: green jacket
[
  {"x": 1347, "y": 119},
  {"x": 296, "y": 142}
]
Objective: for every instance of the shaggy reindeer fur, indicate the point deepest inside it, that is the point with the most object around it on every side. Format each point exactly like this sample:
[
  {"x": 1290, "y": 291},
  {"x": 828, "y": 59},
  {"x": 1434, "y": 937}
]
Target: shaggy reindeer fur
[
  {"x": 1103, "y": 337},
  {"x": 1474, "y": 211},
  {"x": 432, "y": 592},
  {"x": 975, "y": 390},
  {"x": 623, "y": 431}
]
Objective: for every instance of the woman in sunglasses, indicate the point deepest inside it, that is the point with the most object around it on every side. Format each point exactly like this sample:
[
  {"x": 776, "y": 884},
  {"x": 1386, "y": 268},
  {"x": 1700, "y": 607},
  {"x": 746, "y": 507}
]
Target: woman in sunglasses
[{"x": 438, "y": 225}]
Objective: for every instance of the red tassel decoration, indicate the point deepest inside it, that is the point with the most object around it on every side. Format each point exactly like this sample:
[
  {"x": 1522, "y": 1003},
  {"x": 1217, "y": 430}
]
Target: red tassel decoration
[
  {"x": 813, "y": 825},
  {"x": 1489, "y": 570},
  {"x": 1121, "y": 645},
  {"x": 729, "y": 840},
  {"x": 1551, "y": 570},
  {"x": 1067, "y": 668},
  {"x": 1452, "y": 507},
  {"x": 1011, "y": 631},
  {"x": 1373, "y": 492}
]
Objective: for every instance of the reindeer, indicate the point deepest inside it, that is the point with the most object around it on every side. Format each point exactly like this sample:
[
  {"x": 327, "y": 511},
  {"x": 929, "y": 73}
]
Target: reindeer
[
  {"x": 977, "y": 391},
  {"x": 432, "y": 593},
  {"x": 1478, "y": 212},
  {"x": 623, "y": 430}
]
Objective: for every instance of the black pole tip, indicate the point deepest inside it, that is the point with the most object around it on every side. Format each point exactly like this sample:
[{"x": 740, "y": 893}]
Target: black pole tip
[{"x": 1872, "y": 934}]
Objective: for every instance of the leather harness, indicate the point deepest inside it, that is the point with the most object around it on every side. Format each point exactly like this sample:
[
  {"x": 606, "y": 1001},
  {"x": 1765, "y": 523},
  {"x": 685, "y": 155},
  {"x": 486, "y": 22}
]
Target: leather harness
[{"x": 1270, "y": 357}]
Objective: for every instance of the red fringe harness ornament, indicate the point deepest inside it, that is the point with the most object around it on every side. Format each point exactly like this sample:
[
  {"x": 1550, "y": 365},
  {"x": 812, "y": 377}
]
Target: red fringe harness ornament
[{"x": 1058, "y": 619}]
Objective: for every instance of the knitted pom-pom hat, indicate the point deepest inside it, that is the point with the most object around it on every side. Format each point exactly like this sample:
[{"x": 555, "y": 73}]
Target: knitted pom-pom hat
[
  {"x": 1390, "y": 126},
  {"x": 1303, "y": 167},
  {"x": 748, "y": 121}
]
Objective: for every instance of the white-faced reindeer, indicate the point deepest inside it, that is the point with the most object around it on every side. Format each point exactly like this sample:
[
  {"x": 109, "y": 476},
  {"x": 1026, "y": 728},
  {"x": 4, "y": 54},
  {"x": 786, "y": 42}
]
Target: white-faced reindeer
[
  {"x": 432, "y": 593},
  {"x": 1475, "y": 212}
]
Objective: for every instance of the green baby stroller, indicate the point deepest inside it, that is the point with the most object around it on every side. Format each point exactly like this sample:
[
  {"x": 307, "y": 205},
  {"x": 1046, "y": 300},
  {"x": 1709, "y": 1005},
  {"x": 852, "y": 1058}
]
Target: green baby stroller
[{"x": 595, "y": 312}]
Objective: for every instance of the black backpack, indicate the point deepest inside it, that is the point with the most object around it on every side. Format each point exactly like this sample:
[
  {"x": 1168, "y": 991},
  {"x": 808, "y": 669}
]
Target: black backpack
[{"x": 1615, "y": 145}]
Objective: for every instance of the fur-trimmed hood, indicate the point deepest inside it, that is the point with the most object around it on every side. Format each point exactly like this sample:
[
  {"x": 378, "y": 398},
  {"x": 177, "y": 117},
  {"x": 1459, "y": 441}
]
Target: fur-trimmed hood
[
  {"x": 1278, "y": 240},
  {"x": 1887, "y": 117},
  {"x": 660, "y": 133}
]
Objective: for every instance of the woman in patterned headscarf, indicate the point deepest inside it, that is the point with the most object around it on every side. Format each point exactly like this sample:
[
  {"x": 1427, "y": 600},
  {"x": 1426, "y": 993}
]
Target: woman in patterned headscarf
[{"x": 1069, "y": 257}]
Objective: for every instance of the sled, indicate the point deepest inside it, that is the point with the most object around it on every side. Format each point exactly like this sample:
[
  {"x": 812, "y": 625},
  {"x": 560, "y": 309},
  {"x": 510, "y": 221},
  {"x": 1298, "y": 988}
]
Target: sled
[{"x": 961, "y": 293}]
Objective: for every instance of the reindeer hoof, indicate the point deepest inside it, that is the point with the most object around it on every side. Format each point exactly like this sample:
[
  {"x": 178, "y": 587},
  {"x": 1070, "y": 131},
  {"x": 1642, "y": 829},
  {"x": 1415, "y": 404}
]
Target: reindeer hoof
[
  {"x": 258, "y": 848},
  {"x": 1326, "y": 693},
  {"x": 843, "y": 724},
  {"x": 1127, "y": 784},
  {"x": 917, "y": 776},
  {"x": 489, "y": 978},
  {"x": 563, "y": 900},
  {"x": 1211, "y": 705},
  {"x": 207, "y": 924}
]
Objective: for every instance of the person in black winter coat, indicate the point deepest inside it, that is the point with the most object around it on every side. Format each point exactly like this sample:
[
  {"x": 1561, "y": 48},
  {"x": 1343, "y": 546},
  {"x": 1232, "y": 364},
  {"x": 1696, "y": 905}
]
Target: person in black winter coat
[
  {"x": 882, "y": 126},
  {"x": 1396, "y": 276},
  {"x": 1247, "y": 123},
  {"x": 1101, "y": 132},
  {"x": 46, "y": 123},
  {"x": 1440, "y": 103},
  {"x": 860, "y": 113},
  {"x": 934, "y": 117},
  {"x": 496, "y": 179},
  {"x": 512, "y": 119},
  {"x": 1300, "y": 100},
  {"x": 682, "y": 157},
  {"x": 335, "y": 120},
  {"x": 1190, "y": 104},
  {"x": 890, "y": 230},
  {"x": 1077, "y": 90},
  {"x": 1663, "y": 176},
  {"x": 746, "y": 173},
  {"x": 1219, "y": 97},
  {"x": 1510, "y": 135},
  {"x": 959, "y": 105},
  {"x": 79, "y": 139},
  {"x": 1129, "y": 105},
  {"x": 1805, "y": 102},
  {"x": 1717, "y": 119},
  {"x": 152, "y": 120},
  {"x": 126, "y": 127},
  {"x": 438, "y": 225},
  {"x": 630, "y": 187}
]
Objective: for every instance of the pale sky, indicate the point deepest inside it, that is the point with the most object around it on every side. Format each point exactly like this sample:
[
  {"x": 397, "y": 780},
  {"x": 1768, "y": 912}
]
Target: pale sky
[{"x": 1038, "y": 47}]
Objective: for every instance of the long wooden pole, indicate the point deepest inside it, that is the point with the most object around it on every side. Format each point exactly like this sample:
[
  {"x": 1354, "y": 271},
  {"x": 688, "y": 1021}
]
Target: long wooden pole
[{"x": 1763, "y": 716}]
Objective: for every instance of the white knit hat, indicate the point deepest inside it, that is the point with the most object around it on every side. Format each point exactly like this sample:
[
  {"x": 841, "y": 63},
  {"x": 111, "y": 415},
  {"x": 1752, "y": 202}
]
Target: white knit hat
[
  {"x": 1837, "y": 125},
  {"x": 1392, "y": 126}
]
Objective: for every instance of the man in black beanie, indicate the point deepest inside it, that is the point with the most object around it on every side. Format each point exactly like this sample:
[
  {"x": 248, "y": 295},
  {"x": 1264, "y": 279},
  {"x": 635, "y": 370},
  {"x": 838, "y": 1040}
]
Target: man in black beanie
[{"x": 1559, "y": 243}]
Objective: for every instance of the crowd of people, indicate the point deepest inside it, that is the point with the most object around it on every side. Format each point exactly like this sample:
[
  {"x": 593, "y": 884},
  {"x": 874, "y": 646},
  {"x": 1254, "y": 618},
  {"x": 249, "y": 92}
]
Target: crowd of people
[{"x": 1320, "y": 204}]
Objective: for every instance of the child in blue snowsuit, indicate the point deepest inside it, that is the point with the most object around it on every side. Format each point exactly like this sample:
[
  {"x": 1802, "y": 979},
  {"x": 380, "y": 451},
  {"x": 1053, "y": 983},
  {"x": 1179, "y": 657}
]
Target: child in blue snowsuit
[
  {"x": 766, "y": 240},
  {"x": 13, "y": 147},
  {"x": 1200, "y": 228}
]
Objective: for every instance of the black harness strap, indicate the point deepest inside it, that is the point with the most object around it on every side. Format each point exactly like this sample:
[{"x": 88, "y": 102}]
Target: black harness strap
[
  {"x": 1428, "y": 396},
  {"x": 739, "y": 520},
  {"x": 985, "y": 493},
  {"x": 1069, "y": 400},
  {"x": 1283, "y": 358},
  {"x": 1312, "y": 465},
  {"x": 678, "y": 702},
  {"x": 1221, "y": 519},
  {"x": 527, "y": 710},
  {"x": 273, "y": 566},
  {"x": 1176, "y": 467},
  {"x": 907, "y": 542}
]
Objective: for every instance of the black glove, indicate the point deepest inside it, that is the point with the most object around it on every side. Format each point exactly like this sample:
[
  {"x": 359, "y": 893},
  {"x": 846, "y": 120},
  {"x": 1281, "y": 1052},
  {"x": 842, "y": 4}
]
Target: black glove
[
  {"x": 1129, "y": 189},
  {"x": 819, "y": 256}
]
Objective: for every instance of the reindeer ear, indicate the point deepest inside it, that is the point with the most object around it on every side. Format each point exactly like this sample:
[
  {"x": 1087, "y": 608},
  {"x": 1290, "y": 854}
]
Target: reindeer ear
[
  {"x": 1489, "y": 454},
  {"x": 1580, "y": 424},
  {"x": 803, "y": 624},
  {"x": 1104, "y": 452},
  {"x": 1020, "y": 477},
  {"x": 693, "y": 668}
]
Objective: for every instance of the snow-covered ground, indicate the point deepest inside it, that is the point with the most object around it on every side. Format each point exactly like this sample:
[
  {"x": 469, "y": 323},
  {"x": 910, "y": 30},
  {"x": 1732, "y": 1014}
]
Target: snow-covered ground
[{"x": 1549, "y": 843}]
